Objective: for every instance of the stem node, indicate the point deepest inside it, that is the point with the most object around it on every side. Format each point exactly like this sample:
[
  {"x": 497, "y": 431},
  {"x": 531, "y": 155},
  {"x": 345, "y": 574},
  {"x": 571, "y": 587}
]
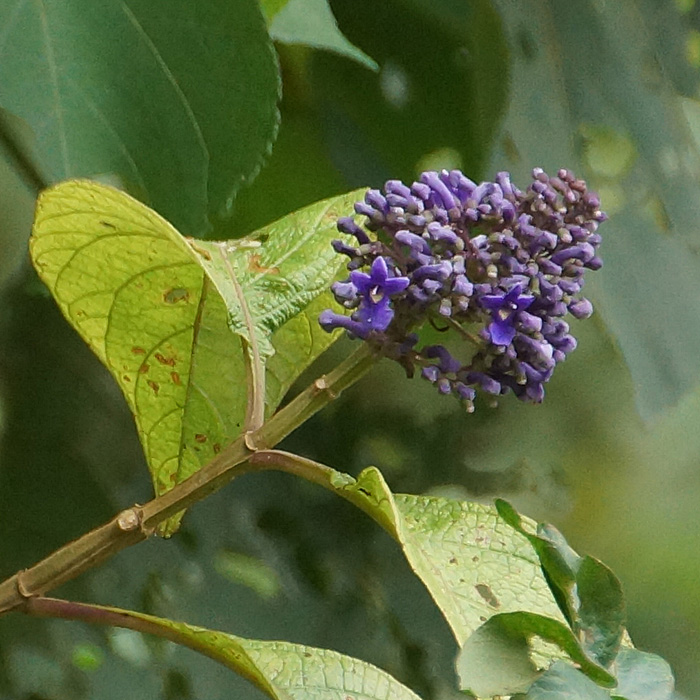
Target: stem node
[
  {"x": 249, "y": 441},
  {"x": 21, "y": 588},
  {"x": 129, "y": 520}
]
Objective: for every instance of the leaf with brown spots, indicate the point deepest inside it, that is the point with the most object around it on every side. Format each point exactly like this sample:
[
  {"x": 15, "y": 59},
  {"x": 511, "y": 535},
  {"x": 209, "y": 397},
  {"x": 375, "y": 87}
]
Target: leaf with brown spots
[
  {"x": 168, "y": 321},
  {"x": 440, "y": 539}
]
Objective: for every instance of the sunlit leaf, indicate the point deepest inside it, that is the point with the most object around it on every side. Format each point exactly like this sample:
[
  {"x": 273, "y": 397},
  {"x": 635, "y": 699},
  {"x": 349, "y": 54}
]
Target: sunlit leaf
[
  {"x": 471, "y": 561},
  {"x": 172, "y": 321},
  {"x": 271, "y": 7},
  {"x": 172, "y": 99}
]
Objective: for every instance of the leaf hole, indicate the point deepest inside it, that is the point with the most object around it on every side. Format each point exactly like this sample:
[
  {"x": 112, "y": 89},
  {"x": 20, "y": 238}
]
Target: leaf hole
[
  {"x": 487, "y": 594},
  {"x": 176, "y": 294}
]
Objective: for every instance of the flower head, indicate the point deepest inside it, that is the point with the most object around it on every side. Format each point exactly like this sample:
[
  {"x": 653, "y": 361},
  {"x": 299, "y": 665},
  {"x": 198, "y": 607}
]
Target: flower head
[{"x": 507, "y": 262}]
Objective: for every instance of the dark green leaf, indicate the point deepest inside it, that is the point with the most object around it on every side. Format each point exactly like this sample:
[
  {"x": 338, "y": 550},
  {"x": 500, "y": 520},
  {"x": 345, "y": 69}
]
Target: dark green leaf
[
  {"x": 418, "y": 112},
  {"x": 642, "y": 676},
  {"x": 174, "y": 100},
  {"x": 562, "y": 682},
  {"x": 559, "y": 562},
  {"x": 555, "y": 539},
  {"x": 601, "y": 612},
  {"x": 512, "y": 637},
  {"x": 20, "y": 179},
  {"x": 589, "y": 594},
  {"x": 19, "y": 148},
  {"x": 311, "y": 23}
]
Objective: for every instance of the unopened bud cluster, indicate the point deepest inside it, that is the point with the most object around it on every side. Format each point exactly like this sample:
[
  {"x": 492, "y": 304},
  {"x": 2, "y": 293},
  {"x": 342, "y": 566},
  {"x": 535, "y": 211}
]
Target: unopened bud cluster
[{"x": 500, "y": 266}]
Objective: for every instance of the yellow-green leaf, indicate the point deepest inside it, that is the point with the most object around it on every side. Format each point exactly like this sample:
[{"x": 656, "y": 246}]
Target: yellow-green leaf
[
  {"x": 471, "y": 561},
  {"x": 173, "y": 319}
]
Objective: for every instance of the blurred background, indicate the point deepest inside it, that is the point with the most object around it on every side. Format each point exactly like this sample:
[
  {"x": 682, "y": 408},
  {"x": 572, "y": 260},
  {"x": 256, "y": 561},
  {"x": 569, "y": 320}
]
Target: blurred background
[{"x": 612, "y": 457}]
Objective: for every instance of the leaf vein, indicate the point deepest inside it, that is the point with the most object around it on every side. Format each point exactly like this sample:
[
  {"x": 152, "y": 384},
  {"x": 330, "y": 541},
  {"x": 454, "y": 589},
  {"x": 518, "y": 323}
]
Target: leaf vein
[
  {"x": 53, "y": 74},
  {"x": 196, "y": 327},
  {"x": 169, "y": 77},
  {"x": 142, "y": 377},
  {"x": 99, "y": 114}
]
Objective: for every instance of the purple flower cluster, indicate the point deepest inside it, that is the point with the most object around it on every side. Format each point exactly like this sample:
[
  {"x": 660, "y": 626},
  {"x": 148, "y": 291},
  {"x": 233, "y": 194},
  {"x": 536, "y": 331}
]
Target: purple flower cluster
[{"x": 500, "y": 266}]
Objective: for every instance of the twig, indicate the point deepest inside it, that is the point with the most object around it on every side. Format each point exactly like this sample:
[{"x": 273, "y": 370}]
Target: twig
[{"x": 139, "y": 522}]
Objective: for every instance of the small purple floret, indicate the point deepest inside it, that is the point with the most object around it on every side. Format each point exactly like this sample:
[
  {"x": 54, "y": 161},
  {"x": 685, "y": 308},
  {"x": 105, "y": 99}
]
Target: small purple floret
[
  {"x": 371, "y": 293},
  {"x": 504, "y": 308}
]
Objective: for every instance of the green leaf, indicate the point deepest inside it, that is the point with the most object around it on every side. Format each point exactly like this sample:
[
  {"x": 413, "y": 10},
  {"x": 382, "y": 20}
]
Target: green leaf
[
  {"x": 606, "y": 152},
  {"x": 407, "y": 115},
  {"x": 20, "y": 179},
  {"x": 559, "y": 562},
  {"x": 601, "y": 613},
  {"x": 248, "y": 571},
  {"x": 472, "y": 562},
  {"x": 282, "y": 670},
  {"x": 588, "y": 592},
  {"x": 562, "y": 682},
  {"x": 173, "y": 321},
  {"x": 496, "y": 659},
  {"x": 642, "y": 676},
  {"x": 174, "y": 100},
  {"x": 296, "y": 345},
  {"x": 311, "y": 23},
  {"x": 271, "y": 7}
]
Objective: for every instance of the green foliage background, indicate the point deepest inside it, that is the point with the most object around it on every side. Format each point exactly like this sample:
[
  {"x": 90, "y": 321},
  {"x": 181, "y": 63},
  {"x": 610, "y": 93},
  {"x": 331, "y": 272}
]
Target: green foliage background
[{"x": 611, "y": 457}]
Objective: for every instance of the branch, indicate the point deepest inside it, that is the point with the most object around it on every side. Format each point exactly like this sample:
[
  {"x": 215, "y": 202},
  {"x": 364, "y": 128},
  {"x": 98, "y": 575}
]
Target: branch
[
  {"x": 139, "y": 522},
  {"x": 322, "y": 475}
]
